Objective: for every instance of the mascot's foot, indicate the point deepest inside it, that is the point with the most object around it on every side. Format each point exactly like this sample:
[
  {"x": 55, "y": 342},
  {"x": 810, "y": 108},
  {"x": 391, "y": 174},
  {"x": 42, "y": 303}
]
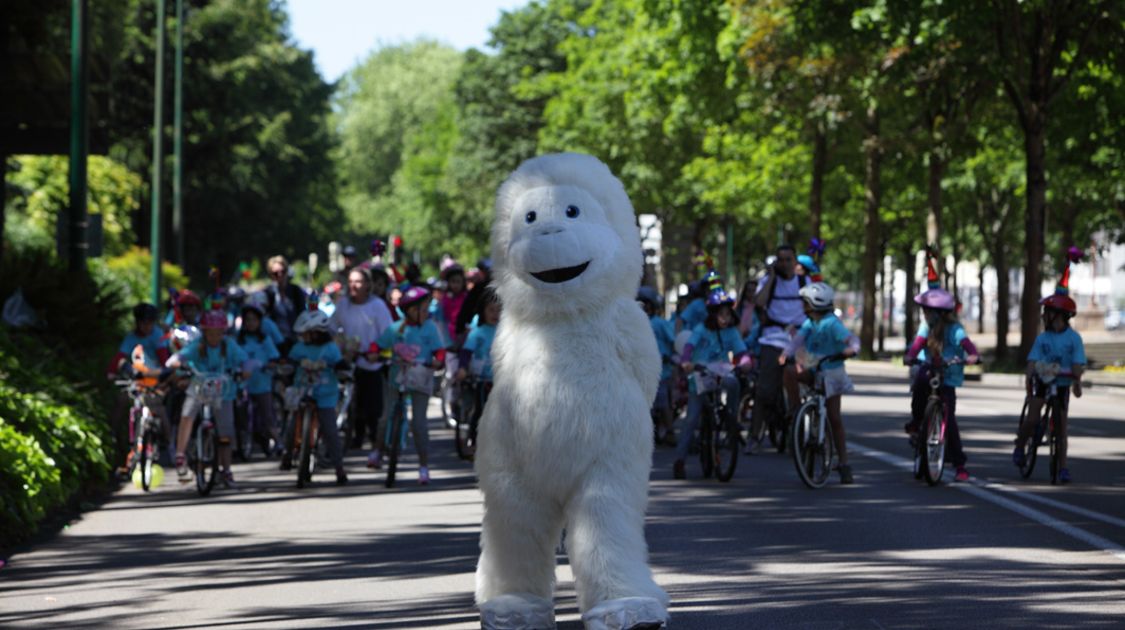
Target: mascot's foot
[
  {"x": 519, "y": 611},
  {"x": 627, "y": 613}
]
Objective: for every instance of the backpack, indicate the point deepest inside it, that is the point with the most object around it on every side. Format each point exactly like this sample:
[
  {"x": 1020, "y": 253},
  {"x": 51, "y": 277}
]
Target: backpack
[{"x": 762, "y": 312}]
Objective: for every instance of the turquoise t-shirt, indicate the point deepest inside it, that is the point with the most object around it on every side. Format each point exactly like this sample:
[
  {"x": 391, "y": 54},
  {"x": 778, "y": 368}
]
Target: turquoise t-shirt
[
  {"x": 951, "y": 348},
  {"x": 665, "y": 343},
  {"x": 712, "y": 346},
  {"x": 272, "y": 331},
  {"x": 1064, "y": 348},
  {"x": 694, "y": 314},
  {"x": 263, "y": 351},
  {"x": 151, "y": 344},
  {"x": 825, "y": 338},
  {"x": 753, "y": 337},
  {"x": 327, "y": 390},
  {"x": 479, "y": 342},
  {"x": 423, "y": 341},
  {"x": 216, "y": 361}
]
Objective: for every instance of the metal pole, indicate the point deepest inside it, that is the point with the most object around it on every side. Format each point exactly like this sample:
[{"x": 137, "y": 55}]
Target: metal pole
[
  {"x": 730, "y": 256},
  {"x": 177, "y": 138},
  {"x": 79, "y": 139},
  {"x": 157, "y": 151}
]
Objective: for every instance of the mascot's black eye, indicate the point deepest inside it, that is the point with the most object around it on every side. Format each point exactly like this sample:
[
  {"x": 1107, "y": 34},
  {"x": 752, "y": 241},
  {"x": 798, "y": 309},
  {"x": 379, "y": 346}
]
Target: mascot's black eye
[
  {"x": 572, "y": 212},
  {"x": 530, "y": 217}
]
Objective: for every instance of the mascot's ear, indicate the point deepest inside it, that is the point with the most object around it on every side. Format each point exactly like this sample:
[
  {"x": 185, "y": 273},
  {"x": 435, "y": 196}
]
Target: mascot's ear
[{"x": 574, "y": 169}]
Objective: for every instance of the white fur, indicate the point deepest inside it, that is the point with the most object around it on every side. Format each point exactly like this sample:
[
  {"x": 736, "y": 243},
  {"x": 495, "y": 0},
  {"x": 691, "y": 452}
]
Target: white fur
[{"x": 566, "y": 436}]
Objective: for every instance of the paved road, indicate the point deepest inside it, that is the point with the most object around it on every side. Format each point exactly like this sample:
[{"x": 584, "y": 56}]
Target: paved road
[{"x": 761, "y": 551}]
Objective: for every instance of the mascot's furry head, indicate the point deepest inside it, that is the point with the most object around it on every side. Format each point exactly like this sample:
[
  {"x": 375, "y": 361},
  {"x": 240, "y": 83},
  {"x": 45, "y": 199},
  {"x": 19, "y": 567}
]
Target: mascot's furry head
[{"x": 564, "y": 238}]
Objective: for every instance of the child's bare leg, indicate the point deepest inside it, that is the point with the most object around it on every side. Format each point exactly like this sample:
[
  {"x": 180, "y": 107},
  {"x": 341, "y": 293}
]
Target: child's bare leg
[{"x": 832, "y": 405}]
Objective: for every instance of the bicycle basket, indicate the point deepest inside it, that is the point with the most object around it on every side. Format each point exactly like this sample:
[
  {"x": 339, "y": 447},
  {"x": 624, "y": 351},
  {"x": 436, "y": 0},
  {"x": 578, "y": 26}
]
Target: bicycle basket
[
  {"x": 292, "y": 397},
  {"x": 705, "y": 381},
  {"x": 207, "y": 387},
  {"x": 417, "y": 378},
  {"x": 1046, "y": 371}
]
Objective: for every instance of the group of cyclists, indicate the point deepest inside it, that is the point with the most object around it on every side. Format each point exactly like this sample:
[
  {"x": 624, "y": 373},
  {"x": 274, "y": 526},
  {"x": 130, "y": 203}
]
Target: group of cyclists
[
  {"x": 376, "y": 330},
  {"x": 394, "y": 340},
  {"x": 782, "y": 332}
]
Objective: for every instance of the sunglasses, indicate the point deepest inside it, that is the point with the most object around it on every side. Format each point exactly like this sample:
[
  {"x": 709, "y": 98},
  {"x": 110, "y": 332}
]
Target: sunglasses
[{"x": 278, "y": 273}]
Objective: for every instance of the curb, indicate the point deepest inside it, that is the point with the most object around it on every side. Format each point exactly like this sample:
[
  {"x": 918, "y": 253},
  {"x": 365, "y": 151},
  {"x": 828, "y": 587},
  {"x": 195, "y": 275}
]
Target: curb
[{"x": 1110, "y": 384}]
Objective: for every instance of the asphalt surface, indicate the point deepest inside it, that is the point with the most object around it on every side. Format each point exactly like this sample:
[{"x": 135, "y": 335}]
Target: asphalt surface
[{"x": 759, "y": 552}]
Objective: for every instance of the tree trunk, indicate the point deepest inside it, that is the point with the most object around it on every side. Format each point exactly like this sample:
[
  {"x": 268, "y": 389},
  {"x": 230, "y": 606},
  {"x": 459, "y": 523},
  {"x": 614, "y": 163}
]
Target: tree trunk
[
  {"x": 909, "y": 329},
  {"x": 1003, "y": 300},
  {"x": 872, "y": 195},
  {"x": 980, "y": 299},
  {"x": 816, "y": 190},
  {"x": 1036, "y": 174},
  {"x": 3, "y": 200},
  {"x": 882, "y": 300},
  {"x": 891, "y": 303},
  {"x": 933, "y": 197}
]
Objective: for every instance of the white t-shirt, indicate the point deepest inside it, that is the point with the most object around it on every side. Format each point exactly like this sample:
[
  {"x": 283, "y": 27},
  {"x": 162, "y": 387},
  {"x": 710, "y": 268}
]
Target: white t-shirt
[
  {"x": 785, "y": 308},
  {"x": 363, "y": 322}
]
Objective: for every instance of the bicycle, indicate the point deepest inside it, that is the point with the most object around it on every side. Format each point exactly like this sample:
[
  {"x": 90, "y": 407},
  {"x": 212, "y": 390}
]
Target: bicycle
[
  {"x": 719, "y": 433},
  {"x": 1046, "y": 376},
  {"x": 474, "y": 392},
  {"x": 144, "y": 431},
  {"x": 814, "y": 445},
  {"x": 344, "y": 425},
  {"x": 929, "y": 442},
  {"x": 303, "y": 426},
  {"x": 755, "y": 432},
  {"x": 203, "y": 447}
]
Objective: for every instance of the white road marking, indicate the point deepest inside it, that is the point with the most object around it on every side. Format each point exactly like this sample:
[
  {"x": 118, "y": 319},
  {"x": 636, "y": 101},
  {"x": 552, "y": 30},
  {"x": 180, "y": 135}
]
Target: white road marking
[{"x": 982, "y": 490}]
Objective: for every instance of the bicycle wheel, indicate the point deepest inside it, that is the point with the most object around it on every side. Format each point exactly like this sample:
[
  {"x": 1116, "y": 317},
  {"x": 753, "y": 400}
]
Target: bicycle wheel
[
  {"x": 1031, "y": 447},
  {"x": 395, "y": 428},
  {"x": 1052, "y": 416},
  {"x": 244, "y": 431},
  {"x": 305, "y": 459},
  {"x": 933, "y": 432},
  {"x": 778, "y": 424},
  {"x": 707, "y": 424},
  {"x": 144, "y": 457},
  {"x": 724, "y": 445},
  {"x": 462, "y": 420},
  {"x": 755, "y": 428},
  {"x": 206, "y": 458},
  {"x": 813, "y": 451}
]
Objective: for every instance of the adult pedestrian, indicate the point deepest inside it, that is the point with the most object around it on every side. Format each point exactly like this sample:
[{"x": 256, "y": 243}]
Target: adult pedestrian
[
  {"x": 285, "y": 300},
  {"x": 361, "y": 318}
]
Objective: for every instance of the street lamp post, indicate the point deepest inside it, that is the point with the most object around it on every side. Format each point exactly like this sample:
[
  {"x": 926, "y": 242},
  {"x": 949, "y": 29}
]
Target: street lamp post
[
  {"x": 79, "y": 141},
  {"x": 177, "y": 139},
  {"x": 157, "y": 151}
]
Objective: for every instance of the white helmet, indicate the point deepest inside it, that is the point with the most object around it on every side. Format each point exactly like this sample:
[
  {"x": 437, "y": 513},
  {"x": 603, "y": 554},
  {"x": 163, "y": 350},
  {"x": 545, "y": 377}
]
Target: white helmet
[
  {"x": 819, "y": 295},
  {"x": 311, "y": 321}
]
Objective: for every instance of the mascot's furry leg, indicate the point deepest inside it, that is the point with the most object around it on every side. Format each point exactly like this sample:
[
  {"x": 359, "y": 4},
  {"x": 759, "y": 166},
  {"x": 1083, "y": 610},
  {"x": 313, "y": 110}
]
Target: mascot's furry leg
[
  {"x": 606, "y": 546},
  {"x": 516, "y": 572}
]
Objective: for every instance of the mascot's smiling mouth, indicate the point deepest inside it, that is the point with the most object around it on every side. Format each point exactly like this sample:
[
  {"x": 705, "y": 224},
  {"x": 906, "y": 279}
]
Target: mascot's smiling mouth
[{"x": 562, "y": 274}]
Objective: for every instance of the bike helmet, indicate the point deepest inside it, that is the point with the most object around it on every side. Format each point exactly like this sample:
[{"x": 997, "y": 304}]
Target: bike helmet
[
  {"x": 378, "y": 248},
  {"x": 649, "y": 295},
  {"x": 451, "y": 270},
  {"x": 349, "y": 251},
  {"x": 1060, "y": 300},
  {"x": 1061, "y": 303},
  {"x": 252, "y": 305},
  {"x": 188, "y": 297},
  {"x": 938, "y": 299},
  {"x": 819, "y": 295},
  {"x": 808, "y": 263},
  {"x": 183, "y": 337},
  {"x": 235, "y": 294},
  {"x": 413, "y": 295},
  {"x": 311, "y": 321},
  {"x": 145, "y": 312},
  {"x": 718, "y": 298},
  {"x": 213, "y": 320}
]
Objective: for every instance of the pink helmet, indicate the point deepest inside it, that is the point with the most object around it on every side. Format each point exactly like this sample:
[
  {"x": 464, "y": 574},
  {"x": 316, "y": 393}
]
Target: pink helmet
[
  {"x": 413, "y": 296},
  {"x": 214, "y": 320},
  {"x": 939, "y": 299}
]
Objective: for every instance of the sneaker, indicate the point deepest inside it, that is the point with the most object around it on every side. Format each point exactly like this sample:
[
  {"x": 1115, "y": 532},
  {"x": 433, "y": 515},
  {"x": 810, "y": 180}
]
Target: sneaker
[
  {"x": 846, "y": 474},
  {"x": 286, "y": 462},
  {"x": 341, "y": 477},
  {"x": 181, "y": 465},
  {"x": 1064, "y": 475},
  {"x": 962, "y": 474},
  {"x": 1018, "y": 457},
  {"x": 911, "y": 428},
  {"x": 423, "y": 476},
  {"x": 678, "y": 471},
  {"x": 228, "y": 478},
  {"x": 375, "y": 460}
]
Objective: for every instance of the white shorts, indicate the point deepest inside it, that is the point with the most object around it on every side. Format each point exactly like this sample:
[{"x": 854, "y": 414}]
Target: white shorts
[{"x": 836, "y": 382}]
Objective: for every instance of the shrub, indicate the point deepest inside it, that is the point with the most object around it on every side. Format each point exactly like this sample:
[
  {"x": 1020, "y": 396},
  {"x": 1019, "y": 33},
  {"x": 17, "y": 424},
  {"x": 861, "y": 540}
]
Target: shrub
[{"x": 134, "y": 269}]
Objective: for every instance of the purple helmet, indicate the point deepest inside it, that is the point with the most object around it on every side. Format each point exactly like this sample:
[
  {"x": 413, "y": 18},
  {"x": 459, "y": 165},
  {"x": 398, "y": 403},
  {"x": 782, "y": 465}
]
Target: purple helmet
[
  {"x": 718, "y": 298},
  {"x": 413, "y": 296},
  {"x": 939, "y": 299}
]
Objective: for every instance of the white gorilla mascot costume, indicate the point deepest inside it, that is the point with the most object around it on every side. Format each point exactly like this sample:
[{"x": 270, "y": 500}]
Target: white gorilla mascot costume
[{"x": 566, "y": 436}]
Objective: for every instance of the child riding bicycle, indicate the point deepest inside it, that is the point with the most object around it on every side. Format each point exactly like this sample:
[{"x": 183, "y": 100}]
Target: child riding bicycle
[
  {"x": 940, "y": 335},
  {"x": 822, "y": 335},
  {"x": 711, "y": 342},
  {"x": 1058, "y": 346}
]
